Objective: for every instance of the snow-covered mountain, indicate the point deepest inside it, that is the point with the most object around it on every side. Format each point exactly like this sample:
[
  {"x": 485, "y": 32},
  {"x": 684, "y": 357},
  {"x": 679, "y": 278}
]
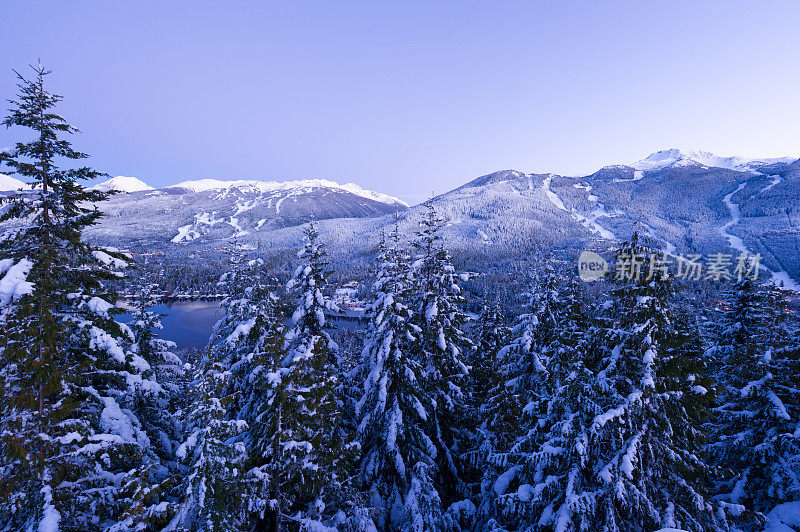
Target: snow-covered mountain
[
  {"x": 8, "y": 183},
  {"x": 204, "y": 185},
  {"x": 675, "y": 157},
  {"x": 209, "y": 210},
  {"x": 123, "y": 184},
  {"x": 690, "y": 202}
]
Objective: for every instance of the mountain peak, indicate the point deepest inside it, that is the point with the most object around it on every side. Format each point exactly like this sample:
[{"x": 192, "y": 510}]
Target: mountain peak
[
  {"x": 675, "y": 157},
  {"x": 123, "y": 184}
]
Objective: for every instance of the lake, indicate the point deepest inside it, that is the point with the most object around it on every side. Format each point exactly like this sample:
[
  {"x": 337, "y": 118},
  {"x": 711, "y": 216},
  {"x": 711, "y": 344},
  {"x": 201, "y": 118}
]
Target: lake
[{"x": 187, "y": 323}]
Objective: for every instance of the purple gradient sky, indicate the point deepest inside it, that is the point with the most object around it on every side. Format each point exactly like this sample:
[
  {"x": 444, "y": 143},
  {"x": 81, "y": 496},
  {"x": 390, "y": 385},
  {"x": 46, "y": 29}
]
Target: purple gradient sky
[{"x": 409, "y": 97}]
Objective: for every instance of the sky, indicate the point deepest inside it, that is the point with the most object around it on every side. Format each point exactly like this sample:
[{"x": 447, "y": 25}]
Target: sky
[{"x": 410, "y": 98}]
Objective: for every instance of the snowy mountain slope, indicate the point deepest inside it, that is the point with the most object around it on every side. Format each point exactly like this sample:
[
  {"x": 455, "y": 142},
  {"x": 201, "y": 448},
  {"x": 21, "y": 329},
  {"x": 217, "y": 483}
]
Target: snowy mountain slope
[
  {"x": 209, "y": 211},
  {"x": 123, "y": 184},
  {"x": 680, "y": 203},
  {"x": 689, "y": 207},
  {"x": 702, "y": 209},
  {"x": 8, "y": 183}
]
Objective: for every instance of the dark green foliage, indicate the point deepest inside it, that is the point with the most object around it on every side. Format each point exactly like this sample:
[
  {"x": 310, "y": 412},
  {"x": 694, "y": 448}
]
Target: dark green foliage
[{"x": 67, "y": 443}]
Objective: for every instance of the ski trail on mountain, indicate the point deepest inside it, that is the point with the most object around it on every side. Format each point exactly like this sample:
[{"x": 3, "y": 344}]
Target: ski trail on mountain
[
  {"x": 775, "y": 180},
  {"x": 778, "y": 277},
  {"x": 552, "y": 196},
  {"x": 733, "y": 208},
  {"x": 590, "y": 222},
  {"x": 669, "y": 247}
]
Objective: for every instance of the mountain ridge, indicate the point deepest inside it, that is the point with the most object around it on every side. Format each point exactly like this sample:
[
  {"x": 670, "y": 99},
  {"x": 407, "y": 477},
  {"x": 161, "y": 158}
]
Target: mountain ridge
[{"x": 687, "y": 206}]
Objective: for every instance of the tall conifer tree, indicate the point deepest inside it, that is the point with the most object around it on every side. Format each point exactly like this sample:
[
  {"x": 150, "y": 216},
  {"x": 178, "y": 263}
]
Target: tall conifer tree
[
  {"x": 68, "y": 442},
  {"x": 440, "y": 317}
]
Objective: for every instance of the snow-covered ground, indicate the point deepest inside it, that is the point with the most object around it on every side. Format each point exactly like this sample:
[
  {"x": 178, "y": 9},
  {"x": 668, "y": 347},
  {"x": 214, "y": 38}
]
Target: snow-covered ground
[{"x": 552, "y": 196}]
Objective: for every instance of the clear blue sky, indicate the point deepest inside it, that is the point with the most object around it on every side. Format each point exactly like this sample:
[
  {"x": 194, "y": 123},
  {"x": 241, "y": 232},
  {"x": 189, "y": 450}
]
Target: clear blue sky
[{"x": 409, "y": 97}]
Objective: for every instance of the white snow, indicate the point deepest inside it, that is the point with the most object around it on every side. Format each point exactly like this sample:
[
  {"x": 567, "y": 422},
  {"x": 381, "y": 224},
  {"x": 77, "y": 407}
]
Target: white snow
[
  {"x": 70, "y": 437},
  {"x": 122, "y": 183},
  {"x": 590, "y": 222},
  {"x": 502, "y": 482},
  {"x": 775, "y": 180},
  {"x": 626, "y": 464},
  {"x": 207, "y": 219},
  {"x": 14, "y": 285},
  {"x": 185, "y": 233},
  {"x": 99, "y": 306},
  {"x": 243, "y": 329},
  {"x": 735, "y": 242},
  {"x": 102, "y": 341},
  {"x": 637, "y": 175},
  {"x": 784, "y": 516},
  {"x": 114, "y": 421},
  {"x": 190, "y": 443},
  {"x": 108, "y": 260},
  {"x": 51, "y": 517},
  {"x": 552, "y": 196},
  {"x": 8, "y": 183},
  {"x": 782, "y": 279},
  {"x": 234, "y": 222},
  {"x": 675, "y": 157},
  {"x": 369, "y": 194},
  {"x": 669, "y": 247}
]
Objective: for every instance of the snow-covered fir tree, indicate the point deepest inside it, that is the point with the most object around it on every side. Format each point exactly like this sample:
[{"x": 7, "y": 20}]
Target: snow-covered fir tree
[
  {"x": 68, "y": 441},
  {"x": 495, "y": 411},
  {"x": 545, "y": 361},
  {"x": 526, "y": 356},
  {"x": 615, "y": 445},
  {"x": 148, "y": 499},
  {"x": 394, "y": 410},
  {"x": 757, "y": 426},
  {"x": 212, "y": 487},
  {"x": 305, "y": 458},
  {"x": 251, "y": 329},
  {"x": 251, "y": 339},
  {"x": 638, "y": 464},
  {"x": 154, "y": 403},
  {"x": 439, "y": 315},
  {"x": 485, "y": 362}
]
